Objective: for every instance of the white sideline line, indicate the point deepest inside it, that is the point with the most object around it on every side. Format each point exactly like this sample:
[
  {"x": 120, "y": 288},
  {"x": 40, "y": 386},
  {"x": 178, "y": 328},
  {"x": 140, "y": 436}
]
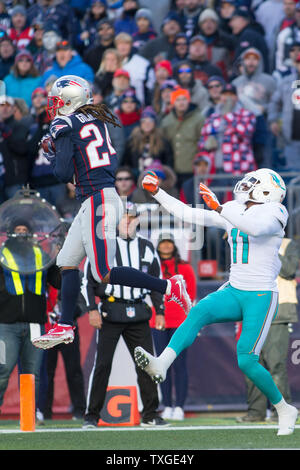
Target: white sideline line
[{"x": 138, "y": 428}]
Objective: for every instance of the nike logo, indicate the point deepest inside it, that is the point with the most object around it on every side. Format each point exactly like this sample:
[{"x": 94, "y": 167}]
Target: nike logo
[
  {"x": 259, "y": 295},
  {"x": 180, "y": 287}
]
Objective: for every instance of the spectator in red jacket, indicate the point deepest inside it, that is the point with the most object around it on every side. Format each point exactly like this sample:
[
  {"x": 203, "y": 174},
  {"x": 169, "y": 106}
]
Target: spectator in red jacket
[{"x": 171, "y": 264}]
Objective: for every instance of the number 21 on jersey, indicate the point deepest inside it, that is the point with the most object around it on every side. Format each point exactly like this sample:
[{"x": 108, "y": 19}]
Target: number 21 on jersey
[
  {"x": 236, "y": 235},
  {"x": 93, "y": 149}
]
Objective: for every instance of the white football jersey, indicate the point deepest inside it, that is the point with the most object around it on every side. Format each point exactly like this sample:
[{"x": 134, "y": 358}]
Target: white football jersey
[
  {"x": 255, "y": 264},
  {"x": 254, "y": 235}
]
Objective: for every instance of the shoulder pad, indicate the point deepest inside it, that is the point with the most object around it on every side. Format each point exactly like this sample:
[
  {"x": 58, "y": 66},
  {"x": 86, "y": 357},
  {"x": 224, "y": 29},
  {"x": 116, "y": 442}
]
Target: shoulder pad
[{"x": 61, "y": 125}]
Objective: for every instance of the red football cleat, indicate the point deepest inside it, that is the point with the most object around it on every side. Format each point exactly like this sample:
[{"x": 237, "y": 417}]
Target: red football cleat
[
  {"x": 57, "y": 335},
  {"x": 179, "y": 294}
]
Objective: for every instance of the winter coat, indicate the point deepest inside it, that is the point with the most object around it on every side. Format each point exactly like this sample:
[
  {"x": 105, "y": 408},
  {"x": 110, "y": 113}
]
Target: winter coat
[
  {"x": 21, "y": 87},
  {"x": 174, "y": 315},
  {"x": 250, "y": 37},
  {"x": 255, "y": 91},
  {"x": 138, "y": 162},
  {"x": 75, "y": 66},
  {"x": 6, "y": 65},
  {"x": 183, "y": 135},
  {"x": 142, "y": 76},
  {"x": 13, "y": 147},
  {"x": 281, "y": 107},
  {"x": 220, "y": 50},
  {"x": 233, "y": 133}
]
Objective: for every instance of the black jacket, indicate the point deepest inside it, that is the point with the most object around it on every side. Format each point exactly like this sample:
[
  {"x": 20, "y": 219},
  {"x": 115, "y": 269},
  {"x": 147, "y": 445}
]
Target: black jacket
[
  {"x": 29, "y": 307},
  {"x": 13, "y": 146}
]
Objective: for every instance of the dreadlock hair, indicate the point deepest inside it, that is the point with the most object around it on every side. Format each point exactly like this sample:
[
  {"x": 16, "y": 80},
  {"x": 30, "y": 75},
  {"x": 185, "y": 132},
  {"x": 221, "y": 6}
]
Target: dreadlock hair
[{"x": 99, "y": 111}]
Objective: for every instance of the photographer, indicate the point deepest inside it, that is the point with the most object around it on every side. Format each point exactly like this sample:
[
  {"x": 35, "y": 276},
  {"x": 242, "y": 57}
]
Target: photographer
[
  {"x": 123, "y": 312},
  {"x": 22, "y": 303}
]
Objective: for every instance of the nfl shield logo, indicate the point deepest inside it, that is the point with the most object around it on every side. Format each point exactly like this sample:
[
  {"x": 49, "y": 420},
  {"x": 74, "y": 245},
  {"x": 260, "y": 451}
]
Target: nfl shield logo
[{"x": 130, "y": 312}]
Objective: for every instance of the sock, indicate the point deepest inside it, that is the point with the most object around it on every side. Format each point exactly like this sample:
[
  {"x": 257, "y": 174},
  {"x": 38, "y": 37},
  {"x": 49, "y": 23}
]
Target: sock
[
  {"x": 70, "y": 287},
  {"x": 167, "y": 357},
  {"x": 281, "y": 406},
  {"x": 131, "y": 277}
]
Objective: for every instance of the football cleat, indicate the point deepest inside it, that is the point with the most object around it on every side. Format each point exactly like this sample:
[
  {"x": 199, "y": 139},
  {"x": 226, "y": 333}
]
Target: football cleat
[
  {"x": 179, "y": 294},
  {"x": 57, "y": 335},
  {"x": 149, "y": 364},
  {"x": 287, "y": 421}
]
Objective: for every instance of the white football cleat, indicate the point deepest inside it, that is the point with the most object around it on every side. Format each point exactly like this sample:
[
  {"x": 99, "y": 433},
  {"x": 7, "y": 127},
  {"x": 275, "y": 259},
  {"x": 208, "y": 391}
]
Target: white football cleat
[
  {"x": 149, "y": 364},
  {"x": 57, "y": 335},
  {"x": 287, "y": 420}
]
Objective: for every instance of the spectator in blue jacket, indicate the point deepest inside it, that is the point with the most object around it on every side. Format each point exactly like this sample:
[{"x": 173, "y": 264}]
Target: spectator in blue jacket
[
  {"x": 23, "y": 78},
  {"x": 127, "y": 24},
  {"x": 68, "y": 62}
]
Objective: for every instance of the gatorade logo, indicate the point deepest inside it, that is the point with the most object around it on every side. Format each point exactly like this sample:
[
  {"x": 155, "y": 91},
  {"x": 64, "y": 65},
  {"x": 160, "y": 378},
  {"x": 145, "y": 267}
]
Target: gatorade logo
[{"x": 120, "y": 407}]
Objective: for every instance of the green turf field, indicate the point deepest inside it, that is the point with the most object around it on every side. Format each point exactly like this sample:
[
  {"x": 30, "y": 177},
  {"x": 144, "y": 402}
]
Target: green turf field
[{"x": 191, "y": 434}]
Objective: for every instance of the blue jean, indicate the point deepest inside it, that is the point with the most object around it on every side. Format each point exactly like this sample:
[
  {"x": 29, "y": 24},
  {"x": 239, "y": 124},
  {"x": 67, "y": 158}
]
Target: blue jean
[
  {"x": 179, "y": 368},
  {"x": 16, "y": 346}
]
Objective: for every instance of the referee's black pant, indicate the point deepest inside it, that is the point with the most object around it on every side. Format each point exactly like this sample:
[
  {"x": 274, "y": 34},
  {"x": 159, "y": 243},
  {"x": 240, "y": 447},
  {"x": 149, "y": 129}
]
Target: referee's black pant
[{"x": 134, "y": 334}]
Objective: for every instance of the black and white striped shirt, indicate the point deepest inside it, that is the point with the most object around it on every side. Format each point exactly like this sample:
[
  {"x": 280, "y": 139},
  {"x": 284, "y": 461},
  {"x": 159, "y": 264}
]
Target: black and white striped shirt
[{"x": 138, "y": 253}]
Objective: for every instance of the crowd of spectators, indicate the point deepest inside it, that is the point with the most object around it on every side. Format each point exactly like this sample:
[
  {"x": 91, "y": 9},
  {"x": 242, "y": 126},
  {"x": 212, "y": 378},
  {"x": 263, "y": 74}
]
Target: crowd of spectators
[
  {"x": 200, "y": 87},
  {"x": 213, "y": 78}
]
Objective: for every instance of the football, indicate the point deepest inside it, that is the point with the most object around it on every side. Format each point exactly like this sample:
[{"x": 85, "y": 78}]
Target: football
[{"x": 47, "y": 144}]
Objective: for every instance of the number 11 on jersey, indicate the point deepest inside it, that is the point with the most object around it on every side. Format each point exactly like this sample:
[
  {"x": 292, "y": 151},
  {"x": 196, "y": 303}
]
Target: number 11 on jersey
[{"x": 235, "y": 233}]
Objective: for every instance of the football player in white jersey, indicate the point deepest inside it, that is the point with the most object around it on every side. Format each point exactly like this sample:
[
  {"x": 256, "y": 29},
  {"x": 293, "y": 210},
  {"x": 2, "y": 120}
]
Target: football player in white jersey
[{"x": 255, "y": 223}]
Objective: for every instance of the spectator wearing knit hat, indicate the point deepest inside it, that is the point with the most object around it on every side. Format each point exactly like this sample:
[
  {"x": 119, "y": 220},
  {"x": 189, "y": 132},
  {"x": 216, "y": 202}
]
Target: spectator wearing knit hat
[
  {"x": 161, "y": 101},
  {"x": 7, "y": 55},
  {"x": 182, "y": 127},
  {"x": 23, "y": 78},
  {"x": 255, "y": 88},
  {"x": 181, "y": 47},
  {"x": 104, "y": 40},
  {"x": 162, "y": 47},
  {"x": 20, "y": 33},
  {"x": 220, "y": 45},
  {"x": 203, "y": 68},
  {"x": 126, "y": 23},
  {"x": 214, "y": 87},
  {"x": 189, "y": 17},
  {"x": 68, "y": 62},
  {"x": 129, "y": 111},
  {"x": 145, "y": 31},
  {"x": 247, "y": 35},
  {"x": 147, "y": 144}
]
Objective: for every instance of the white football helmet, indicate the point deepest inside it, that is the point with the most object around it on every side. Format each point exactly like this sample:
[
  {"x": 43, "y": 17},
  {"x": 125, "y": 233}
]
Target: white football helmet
[
  {"x": 262, "y": 186},
  {"x": 67, "y": 94}
]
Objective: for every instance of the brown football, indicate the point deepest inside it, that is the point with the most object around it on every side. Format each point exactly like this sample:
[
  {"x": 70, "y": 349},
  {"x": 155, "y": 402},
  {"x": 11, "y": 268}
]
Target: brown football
[{"x": 48, "y": 145}]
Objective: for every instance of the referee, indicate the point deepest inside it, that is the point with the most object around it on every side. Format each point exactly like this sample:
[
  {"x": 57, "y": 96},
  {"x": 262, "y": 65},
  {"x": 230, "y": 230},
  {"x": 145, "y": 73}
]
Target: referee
[{"x": 123, "y": 312}]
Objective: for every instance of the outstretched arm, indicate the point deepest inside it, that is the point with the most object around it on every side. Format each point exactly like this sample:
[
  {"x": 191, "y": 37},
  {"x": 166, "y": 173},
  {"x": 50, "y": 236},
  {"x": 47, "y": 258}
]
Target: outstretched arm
[{"x": 179, "y": 209}]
